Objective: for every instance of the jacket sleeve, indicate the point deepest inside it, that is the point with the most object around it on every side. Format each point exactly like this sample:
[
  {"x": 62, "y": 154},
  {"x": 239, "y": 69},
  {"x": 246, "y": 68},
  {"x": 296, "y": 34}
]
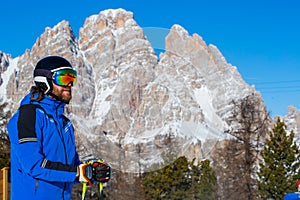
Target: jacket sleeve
[{"x": 29, "y": 150}]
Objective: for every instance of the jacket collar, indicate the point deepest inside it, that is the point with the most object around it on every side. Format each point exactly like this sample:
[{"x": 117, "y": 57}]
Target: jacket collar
[{"x": 52, "y": 106}]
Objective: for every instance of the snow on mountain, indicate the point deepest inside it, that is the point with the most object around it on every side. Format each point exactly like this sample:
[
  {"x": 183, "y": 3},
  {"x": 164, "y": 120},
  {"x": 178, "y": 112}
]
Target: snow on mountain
[
  {"x": 292, "y": 120},
  {"x": 129, "y": 106},
  {"x": 6, "y": 73}
]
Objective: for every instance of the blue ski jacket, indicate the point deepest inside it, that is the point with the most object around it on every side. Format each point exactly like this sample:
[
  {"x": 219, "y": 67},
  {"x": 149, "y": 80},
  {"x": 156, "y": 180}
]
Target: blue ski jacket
[{"x": 43, "y": 152}]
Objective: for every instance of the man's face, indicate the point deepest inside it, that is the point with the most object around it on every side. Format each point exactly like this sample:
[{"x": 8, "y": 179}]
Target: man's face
[{"x": 64, "y": 94}]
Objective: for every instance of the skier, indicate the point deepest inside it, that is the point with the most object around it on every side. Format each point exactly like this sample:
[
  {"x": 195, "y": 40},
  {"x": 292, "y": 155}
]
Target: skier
[
  {"x": 44, "y": 161},
  {"x": 293, "y": 195}
]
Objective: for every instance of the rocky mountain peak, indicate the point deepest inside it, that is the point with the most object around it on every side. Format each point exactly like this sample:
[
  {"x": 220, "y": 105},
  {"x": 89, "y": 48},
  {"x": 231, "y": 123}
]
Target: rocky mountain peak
[
  {"x": 292, "y": 120},
  {"x": 54, "y": 39},
  {"x": 129, "y": 101}
]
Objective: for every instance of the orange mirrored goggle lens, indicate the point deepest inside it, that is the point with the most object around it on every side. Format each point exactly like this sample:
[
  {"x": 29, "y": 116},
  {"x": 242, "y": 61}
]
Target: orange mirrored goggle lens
[{"x": 64, "y": 77}]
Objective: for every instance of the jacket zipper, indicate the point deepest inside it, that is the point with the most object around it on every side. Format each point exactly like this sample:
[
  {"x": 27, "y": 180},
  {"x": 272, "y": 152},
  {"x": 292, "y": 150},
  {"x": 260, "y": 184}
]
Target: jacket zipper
[
  {"x": 36, "y": 185},
  {"x": 63, "y": 142}
]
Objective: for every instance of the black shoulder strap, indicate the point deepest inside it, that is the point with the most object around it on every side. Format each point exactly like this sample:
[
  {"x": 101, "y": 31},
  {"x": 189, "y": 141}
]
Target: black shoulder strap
[{"x": 26, "y": 123}]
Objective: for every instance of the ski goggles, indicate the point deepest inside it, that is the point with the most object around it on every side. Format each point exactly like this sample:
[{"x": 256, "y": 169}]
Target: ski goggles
[{"x": 64, "y": 77}]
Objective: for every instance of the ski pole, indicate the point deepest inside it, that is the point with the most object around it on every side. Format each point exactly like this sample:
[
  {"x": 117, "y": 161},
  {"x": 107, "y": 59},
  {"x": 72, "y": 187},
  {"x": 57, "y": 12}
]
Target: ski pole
[
  {"x": 83, "y": 191},
  {"x": 101, "y": 191}
]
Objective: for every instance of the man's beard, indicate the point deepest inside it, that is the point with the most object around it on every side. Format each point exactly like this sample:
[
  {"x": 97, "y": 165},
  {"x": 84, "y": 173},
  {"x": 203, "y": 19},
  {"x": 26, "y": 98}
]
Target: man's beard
[{"x": 65, "y": 98}]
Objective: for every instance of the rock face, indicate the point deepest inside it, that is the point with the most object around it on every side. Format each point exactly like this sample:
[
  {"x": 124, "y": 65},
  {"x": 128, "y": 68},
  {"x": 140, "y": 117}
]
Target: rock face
[
  {"x": 129, "y": 106},
  {"x": 4, "y": 62},
  {"x": 292, "y": 120}
]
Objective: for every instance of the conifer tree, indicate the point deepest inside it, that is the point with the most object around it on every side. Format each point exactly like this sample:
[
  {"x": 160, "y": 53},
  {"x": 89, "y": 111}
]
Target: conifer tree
[
  {"x": 279, "y": 168},
  {"x": 181, "y": 180},
  {"x": 208, "y": 182},
  {"x": 4, "y": 140}
]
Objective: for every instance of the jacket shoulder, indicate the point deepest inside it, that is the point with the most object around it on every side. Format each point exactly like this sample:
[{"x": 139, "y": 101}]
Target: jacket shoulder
[{"x": 26, "y": 123}]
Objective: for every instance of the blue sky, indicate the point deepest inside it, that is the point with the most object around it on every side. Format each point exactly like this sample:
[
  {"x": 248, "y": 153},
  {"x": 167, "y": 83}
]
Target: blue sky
[{"x": 260, "y": 37}]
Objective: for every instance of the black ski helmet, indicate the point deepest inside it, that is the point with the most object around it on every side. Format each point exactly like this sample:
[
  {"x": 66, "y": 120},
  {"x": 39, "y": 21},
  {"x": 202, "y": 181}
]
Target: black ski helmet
[{"x": 44, "y": 68}]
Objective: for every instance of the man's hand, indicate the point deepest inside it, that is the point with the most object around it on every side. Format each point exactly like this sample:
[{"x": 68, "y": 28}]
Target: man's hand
[
  {"x": 85, "y": 173},
  {"x": 101, "y": 171}
]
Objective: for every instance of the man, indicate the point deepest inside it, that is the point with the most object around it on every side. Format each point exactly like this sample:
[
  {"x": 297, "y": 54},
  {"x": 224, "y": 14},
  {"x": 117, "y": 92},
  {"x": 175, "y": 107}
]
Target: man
[{"x": 44, "y": 161}]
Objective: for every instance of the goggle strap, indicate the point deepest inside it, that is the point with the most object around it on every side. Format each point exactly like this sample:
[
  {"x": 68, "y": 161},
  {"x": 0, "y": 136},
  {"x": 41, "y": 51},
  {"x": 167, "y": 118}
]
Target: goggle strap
[{"x": 60, "y": 68}]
